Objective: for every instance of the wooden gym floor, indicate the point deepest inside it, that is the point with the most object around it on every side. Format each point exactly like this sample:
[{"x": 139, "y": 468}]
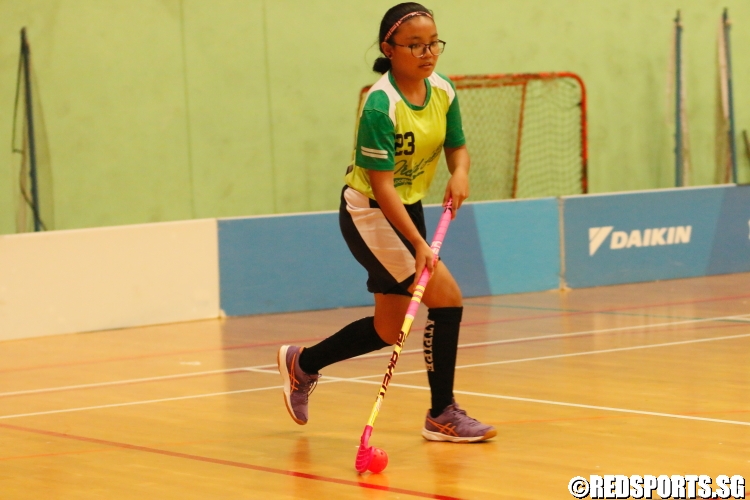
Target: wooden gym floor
[{"x": 635, "y": 379}]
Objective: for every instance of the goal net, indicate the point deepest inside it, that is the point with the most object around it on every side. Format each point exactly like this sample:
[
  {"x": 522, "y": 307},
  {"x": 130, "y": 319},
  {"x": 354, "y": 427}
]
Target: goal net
[
  {"x": 725, "y": 146},
  {"x": 34, "y": 192},
  {"x": 526, "y": 134}
]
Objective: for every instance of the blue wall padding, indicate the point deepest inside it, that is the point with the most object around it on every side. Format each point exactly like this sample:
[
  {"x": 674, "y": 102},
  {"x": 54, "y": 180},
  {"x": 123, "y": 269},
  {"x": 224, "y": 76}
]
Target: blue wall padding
[
  {"x": 731, "y": 248},
  {"x": 521, "y": 244},
  {"x": 300, "y": 262},
  {"x": 461, "y": 250},
  {"x": 697, "y": 209},
  {"x": 287, "y": 263}
]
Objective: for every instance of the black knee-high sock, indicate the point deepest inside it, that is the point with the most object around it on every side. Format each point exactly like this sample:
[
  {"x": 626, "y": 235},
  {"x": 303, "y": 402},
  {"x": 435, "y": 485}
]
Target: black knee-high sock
[
  {"x": 440, "y": 346},
  {"x": 353, "y": 340}
]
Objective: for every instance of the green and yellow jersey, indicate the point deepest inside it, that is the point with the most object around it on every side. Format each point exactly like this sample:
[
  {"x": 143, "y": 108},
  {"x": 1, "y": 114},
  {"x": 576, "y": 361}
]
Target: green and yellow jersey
[{"x": 393, "y": 134}]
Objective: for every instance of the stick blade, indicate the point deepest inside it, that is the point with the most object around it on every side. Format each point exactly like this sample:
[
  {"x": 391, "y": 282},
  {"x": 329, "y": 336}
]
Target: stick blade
[
  {"x": 364, "y": 452},
  {"x": 364, "y": 458}
]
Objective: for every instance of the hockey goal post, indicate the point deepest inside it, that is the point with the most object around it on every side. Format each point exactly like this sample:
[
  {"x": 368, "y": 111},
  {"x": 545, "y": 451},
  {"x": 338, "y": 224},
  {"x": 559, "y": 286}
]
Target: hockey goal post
[{"x": 526, "y": 134}]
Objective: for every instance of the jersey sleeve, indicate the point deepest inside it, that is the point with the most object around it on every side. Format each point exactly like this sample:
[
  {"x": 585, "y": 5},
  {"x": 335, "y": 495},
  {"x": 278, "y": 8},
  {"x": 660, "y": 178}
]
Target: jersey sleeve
[
  {"x": 454, "y": 133},
  {"x": 376, "y": 146},
  {"x": 376, "y": 142}
]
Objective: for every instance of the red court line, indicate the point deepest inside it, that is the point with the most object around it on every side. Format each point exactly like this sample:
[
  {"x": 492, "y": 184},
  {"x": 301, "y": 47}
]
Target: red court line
[
  {"x": 640, "y": 330},
  {"x": 96, "y": 450},
  {"x": 230, "y": 463},
  {"x": 315, "y": 339},
  {"x": 600, "y": 311},
  {"x": 155, "y": 355}
]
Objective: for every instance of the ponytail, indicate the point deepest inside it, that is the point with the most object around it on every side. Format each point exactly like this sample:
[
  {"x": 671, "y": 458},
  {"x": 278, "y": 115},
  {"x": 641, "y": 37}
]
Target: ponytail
[{"x": 382, "y": 65}]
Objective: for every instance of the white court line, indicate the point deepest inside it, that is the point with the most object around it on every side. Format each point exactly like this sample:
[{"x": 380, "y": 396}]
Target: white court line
[
  {"x": 139, "y": 380},
  {"x": 135, "y": 403},
  {"x": 586, "y": 353},
  {"x": 329, "y": 379},
  {"x": 261, "y": 368},
  {"x": 739, "y": 317},
  {"x": 559, "y": 403},
  {"x": 122, "y": 382},
  {"x": 256, "y": 369}
]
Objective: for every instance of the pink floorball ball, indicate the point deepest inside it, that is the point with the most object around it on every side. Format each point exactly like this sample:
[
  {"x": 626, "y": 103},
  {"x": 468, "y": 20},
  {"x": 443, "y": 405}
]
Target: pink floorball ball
[{"x": 379, "y": 460}]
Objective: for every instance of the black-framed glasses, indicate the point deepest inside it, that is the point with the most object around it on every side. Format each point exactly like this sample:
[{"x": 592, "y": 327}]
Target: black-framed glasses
[{"x": 420, "y": 49}]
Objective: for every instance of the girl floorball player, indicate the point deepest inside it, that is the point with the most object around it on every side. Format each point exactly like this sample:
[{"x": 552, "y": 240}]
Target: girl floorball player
[{"x": 409, "y": 116}]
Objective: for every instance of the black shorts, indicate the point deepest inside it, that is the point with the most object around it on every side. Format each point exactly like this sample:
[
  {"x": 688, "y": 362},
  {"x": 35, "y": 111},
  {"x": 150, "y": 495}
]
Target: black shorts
[{"x": 387, "y": 256}]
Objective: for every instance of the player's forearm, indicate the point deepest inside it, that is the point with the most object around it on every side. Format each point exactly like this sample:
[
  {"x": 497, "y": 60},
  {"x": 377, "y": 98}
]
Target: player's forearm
[
  {"x": 458, "y": 160},
  {"x": 458, "y": 185}
]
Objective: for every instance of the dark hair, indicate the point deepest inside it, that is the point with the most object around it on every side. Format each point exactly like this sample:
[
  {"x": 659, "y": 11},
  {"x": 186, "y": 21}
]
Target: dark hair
[{"x": 383, "y": 64}]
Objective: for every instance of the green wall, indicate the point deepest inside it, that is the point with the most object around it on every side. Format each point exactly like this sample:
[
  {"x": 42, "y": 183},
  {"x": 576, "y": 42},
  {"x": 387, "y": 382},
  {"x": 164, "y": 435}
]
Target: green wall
[{"x": 177, "y": 109}]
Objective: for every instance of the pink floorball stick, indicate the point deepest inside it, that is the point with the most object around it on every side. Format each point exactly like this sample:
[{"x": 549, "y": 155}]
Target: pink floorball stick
[{"x": 365, "y": 452}]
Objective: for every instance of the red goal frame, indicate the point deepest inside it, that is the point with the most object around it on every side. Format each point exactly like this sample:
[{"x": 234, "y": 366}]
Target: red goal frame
[{"x": 508, "y": 79}]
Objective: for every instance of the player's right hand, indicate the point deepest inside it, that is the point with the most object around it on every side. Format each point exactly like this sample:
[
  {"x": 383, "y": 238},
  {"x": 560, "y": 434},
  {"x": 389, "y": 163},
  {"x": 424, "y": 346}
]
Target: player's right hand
[{"x": 425, "y": 258}]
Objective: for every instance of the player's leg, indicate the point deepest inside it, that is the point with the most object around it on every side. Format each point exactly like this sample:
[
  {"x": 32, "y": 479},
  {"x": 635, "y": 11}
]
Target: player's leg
[
  {"x": 389, "y": 263},
  {"x": 390, "y": 310},
  {"x": 445, "y": 421},
  {"x": 440, "y": 341},
  {"x": 300, "y": 367}
]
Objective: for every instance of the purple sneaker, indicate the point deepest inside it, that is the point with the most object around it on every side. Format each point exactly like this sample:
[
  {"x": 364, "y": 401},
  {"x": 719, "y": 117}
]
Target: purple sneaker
[
  {"x": 456, "y": 426},
  {"x": 297, "y": 384}
]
